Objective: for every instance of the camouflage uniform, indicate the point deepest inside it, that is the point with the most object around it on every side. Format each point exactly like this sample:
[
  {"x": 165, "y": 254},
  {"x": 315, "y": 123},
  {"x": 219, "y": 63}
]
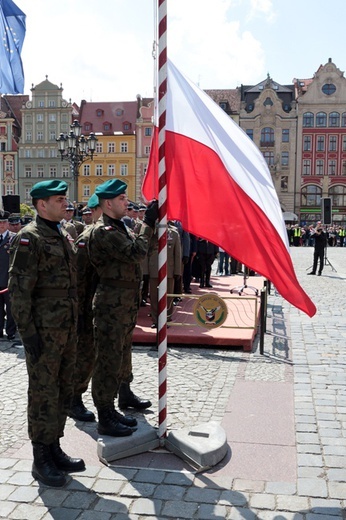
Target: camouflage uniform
[
  {"x": 117, "y": 254},
  {"x": 86, "y": 284},
  {"x": 43, "y": 294}
]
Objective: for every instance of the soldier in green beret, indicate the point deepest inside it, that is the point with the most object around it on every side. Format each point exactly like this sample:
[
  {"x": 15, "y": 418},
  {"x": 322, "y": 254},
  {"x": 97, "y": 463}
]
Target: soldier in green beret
[
  {"x": 116, "y": 253},
  {"x": 43, "y": 292},
  {"x": 86, "y": 283}
]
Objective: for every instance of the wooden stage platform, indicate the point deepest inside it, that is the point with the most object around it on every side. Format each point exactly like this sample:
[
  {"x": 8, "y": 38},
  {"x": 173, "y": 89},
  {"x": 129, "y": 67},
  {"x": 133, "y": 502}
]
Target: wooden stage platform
[{"x": 238, "y": 330}]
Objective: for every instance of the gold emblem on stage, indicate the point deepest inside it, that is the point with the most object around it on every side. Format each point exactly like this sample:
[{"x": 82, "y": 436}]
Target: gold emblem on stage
[{"x": 210, "y": 311}]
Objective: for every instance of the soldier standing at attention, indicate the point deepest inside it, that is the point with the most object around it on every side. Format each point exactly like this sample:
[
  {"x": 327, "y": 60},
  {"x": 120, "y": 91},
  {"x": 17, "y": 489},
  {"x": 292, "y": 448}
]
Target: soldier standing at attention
[
  {"x": 116, "y": 253},
  {"x": 86, "y": 283},
  {"x": 43, "y": 292}
]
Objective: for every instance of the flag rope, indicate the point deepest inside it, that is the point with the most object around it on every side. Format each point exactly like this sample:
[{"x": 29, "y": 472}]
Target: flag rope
[{"x": 162, "y": 228}]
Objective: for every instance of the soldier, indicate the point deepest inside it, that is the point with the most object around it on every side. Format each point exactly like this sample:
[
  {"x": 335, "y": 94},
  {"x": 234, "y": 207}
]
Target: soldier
[
  {"x": 116, "y": 253},
  {"x": 14, "y": 223},
  {"x": 6, "y": 237},
  {"x": 72, "y": 226},
  {"x": 87, "y": 216},
  {"x": 43, "y": 292},
  {"x": 86, "y": 283}
]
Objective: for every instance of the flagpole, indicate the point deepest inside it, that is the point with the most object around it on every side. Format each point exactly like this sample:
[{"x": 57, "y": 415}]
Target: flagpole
[{"x": 162, "y": 230}]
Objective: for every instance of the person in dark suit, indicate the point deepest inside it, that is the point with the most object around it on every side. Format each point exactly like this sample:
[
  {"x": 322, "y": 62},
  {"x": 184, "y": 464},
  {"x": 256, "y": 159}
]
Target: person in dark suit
[
  {"x": 320, "y": 239},
  {"x": 6, "y": 237},
  {"x": 206, "y": 254}
]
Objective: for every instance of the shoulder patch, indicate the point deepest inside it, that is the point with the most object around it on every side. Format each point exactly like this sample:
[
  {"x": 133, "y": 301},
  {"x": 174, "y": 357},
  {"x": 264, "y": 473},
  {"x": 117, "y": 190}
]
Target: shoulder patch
[
  {"x": 81, "y": 244},
  {"x": 24, "y": 241},
  {"x": 108, "y": 228}
]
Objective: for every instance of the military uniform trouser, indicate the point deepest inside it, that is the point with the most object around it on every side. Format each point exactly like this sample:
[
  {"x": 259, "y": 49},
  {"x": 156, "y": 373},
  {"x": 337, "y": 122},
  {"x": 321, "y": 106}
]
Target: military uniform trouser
[
  {"x": 51, "y": 384},
  {"x": 115, "y": 315},
  {"x": 318, "y": 255},
  {"x": 85, "y": 359}
]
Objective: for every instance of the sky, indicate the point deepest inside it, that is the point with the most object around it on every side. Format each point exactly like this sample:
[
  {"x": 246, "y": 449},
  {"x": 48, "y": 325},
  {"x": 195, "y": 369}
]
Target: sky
[{"x": 102, "y": 50}]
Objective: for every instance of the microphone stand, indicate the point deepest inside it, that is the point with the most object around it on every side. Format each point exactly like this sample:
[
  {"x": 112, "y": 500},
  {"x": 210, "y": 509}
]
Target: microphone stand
[{"x": 240, "y": 288}]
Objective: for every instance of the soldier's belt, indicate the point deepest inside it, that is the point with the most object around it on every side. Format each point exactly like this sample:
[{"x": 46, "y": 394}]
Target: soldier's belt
[
  {"x": 121, "y": 284},
  {"x": 56, "y": 293}
]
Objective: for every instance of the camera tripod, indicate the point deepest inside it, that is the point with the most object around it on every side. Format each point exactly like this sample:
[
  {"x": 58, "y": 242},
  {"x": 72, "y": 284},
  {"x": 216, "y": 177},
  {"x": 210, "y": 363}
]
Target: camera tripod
[
  {"x": 325, "y": 260},
  {"x": 240, "y": 288}
]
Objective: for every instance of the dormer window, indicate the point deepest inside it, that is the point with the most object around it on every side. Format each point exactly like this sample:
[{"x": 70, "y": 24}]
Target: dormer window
[
  {"x": 87, "y": 127},
  {"x": 126, "y": 126},
  {"x": 119, "y": 112},
  {"x": 107, "y": 126},
  {"x": 99, "y": 112}
]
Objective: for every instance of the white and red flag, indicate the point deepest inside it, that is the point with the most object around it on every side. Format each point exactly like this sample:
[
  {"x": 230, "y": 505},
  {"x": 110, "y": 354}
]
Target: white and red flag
[{"x": 220, "y": 188}]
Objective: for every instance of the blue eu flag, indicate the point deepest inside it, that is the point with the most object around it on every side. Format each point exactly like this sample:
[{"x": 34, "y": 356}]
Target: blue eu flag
[{"x": 12, "y": 33}]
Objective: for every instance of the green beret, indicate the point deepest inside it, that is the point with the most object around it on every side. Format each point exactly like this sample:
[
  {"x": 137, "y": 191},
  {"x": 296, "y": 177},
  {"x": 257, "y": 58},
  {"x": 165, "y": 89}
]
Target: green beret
[
  {"x": 93, "y": 202},
  {"x": 44, "y": 189},
  {"x": 111, "y": 189}
]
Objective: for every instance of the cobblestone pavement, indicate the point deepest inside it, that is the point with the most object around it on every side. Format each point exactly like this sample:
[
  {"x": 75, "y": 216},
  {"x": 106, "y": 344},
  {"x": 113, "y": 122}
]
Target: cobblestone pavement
[{"x": 309, "y": 352}]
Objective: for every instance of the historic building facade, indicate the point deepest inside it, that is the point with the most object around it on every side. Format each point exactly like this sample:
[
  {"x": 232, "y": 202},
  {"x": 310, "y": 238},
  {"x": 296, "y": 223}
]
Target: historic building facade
[
  {"x": 321, "y": 144},
  {"x": 144, "y": 133},
  {"x": 44, "y": 116}
]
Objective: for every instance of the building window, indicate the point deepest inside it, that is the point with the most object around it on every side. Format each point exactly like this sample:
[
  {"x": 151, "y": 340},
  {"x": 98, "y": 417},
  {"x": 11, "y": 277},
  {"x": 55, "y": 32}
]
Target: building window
[
  {"x": 343, "y": 119},
  {"x": 27, "y": 154},
  {"x": 27, "y": 195},
  {"x": 307, "y": 143},
  {"x": 86, "y": 190},
  {"x": 52, "y": 171},
  {"x": 40, "y": 153},
  {"x": 87, "y": 127},
  {"x": 52, "y": 135},
  {"x": 267, "y": 136},
  {"x": 308, "y": 120},
  {"x": 9, "y": 189},
  {"x": 331, "y": 167},
  {"x": 319, "y": 167},
  {"x": 284, "y": 183},
  {"x": 40, "y": 171},
  {"x": 119, "y": 112},
  {"x": 127, "y": 127},
  {"x": 338, "y": 195},
  {"x": 53, "y": 153},
  {"x": 147, "y": 131},
  {"x": 123, "y": 147},
  {"x": 52, "y": 118},
  {"x": 106, "y": 127},
  {"x": 284, "y": 158},
  {"x": 27, "y": 172},
  {"x": 8, "y": 165},
  {"x": 99, "y": 147},
  {"x": 123, "y": 169},
  {"x": 343, "y": 172},
  {"x": 40, "y": 136},
  {"x": 111, "y": 147},
  {"x": 320, "y": 143},
  {"x": 321, "y": 119},
  {"x": 269, "y": 157},
  {"x": 98, "y": 170},
  {"x": 332, "y": 143},
  {"x": 344, "y": 143},
  {"x": 39, "y": 118},
  {"x": 111, "y": 170},
  {"x": 86, "y": 170},
  {"x": 51, "y": 103},
  {"x": 249, "y": 133},
  {"x": 285, "y": 135},
  {"x": 65, "y": 171},
  {"x": 334, "y": 119},
  {"x": 99, "y": 113},
  {"x": 147, "y": 150},
  {"x": 306, "y": 167},
  {"x": 41, "y": 104},
  {"x": 28, "y": 135},
  {"x": 328, "y": 89},
  {"x": 311, "y": 195}
]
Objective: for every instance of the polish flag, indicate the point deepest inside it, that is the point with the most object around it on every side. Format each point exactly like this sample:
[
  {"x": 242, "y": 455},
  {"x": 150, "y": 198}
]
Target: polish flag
[{"x": 220, "y": 188}]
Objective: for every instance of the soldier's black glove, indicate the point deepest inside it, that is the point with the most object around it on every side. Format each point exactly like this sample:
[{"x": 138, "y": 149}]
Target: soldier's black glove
[
  {"x": 33, "y": 346},
  {"x": 151, "y": 213},
  {"x": 185, "y": 260}
]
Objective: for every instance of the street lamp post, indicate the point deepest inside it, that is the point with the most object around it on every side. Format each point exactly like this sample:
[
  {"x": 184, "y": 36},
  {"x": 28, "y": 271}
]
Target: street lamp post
[{"x": 76, "y": 149}]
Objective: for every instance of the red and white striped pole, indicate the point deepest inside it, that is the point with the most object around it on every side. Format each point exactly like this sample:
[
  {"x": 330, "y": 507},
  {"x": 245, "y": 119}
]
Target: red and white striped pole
[{"x": 162, "y": 230}]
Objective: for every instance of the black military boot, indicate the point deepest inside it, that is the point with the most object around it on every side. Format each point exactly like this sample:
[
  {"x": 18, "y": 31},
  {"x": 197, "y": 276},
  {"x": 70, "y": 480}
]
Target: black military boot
[
  {"x": 63, "y": 461},
  {"x": 44, "y": 469},
  {"x": 79, "y": 412},
  {"x": 127, "y": 420},
  {"x": 109, "y": 423},
  {"x": 127, "y": 399}
]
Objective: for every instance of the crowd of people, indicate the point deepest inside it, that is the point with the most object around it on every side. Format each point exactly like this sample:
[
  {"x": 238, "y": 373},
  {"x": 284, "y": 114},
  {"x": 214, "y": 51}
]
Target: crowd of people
[{"x": 304, "y": 235}]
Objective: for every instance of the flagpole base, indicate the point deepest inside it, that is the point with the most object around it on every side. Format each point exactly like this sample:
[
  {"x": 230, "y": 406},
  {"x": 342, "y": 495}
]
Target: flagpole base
[{"x": 202, "y": 446}]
